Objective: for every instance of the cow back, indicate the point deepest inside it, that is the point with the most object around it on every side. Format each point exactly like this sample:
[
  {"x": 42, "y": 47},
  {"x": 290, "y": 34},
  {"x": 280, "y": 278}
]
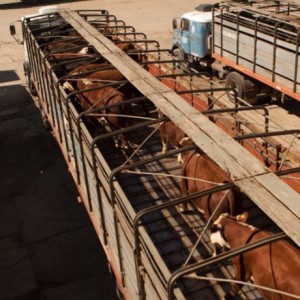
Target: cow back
[{"x": 204, "y": 174}]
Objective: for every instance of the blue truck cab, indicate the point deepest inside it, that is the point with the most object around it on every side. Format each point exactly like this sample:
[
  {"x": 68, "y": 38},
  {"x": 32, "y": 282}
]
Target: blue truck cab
[{"x": 192, "y": 37}]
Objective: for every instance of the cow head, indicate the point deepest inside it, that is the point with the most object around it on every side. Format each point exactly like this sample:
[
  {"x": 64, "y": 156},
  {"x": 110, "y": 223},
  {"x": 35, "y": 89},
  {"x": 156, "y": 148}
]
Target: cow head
[{"x": 219, "y": 235}]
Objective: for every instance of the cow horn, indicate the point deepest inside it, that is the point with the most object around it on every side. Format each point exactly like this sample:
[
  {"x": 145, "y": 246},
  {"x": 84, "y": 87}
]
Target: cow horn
[{"x": 242, "y": 217}]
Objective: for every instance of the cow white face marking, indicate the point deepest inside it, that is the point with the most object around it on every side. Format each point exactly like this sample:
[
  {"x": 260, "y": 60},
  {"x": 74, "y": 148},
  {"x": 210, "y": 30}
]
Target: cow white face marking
[
  {"x": 84, "y": 50},
  {"x": 185, "y": 141},
  {"x": 217, "y": 238}
]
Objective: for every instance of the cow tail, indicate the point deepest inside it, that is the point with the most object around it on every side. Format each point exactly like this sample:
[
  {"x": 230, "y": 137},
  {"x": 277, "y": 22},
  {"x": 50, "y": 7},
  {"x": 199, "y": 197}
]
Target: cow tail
[
  {"x": 184, "y": 181},
  {"x": 231, "y": 201},
  {"x": 184, "y": 184},
  {"x": 272, "y": 270}
]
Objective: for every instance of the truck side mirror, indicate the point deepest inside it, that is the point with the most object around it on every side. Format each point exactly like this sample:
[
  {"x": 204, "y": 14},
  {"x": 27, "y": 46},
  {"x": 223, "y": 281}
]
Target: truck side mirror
[
  {"x": 174, "y": 23},
  {"x": 13, "y": 32},
  {"x": 12, "y": 29}
]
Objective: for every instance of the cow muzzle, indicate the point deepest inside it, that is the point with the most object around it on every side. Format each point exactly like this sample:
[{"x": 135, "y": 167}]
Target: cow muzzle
[{"x": 217, "y": 238}]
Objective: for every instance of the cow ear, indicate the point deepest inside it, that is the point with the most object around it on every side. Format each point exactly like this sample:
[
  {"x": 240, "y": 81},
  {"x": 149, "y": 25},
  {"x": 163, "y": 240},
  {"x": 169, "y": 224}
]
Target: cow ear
[{"x": 242, "y": 217}]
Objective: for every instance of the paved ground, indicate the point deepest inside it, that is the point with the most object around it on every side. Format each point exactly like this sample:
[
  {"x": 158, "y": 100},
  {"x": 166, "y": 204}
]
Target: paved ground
[{"x": 48, "y": 248}]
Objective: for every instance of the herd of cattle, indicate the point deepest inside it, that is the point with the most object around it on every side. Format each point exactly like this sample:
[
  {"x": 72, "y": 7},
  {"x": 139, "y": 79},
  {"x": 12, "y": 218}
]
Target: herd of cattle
[{"x": 275, "y": 265}]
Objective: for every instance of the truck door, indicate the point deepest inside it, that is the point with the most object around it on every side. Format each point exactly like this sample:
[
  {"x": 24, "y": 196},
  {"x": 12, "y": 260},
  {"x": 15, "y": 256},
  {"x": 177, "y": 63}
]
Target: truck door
[
  {"x": 182, "y": 35},
  {"x": 199, "y": 39},
  {"x": 194, "y": 39}
]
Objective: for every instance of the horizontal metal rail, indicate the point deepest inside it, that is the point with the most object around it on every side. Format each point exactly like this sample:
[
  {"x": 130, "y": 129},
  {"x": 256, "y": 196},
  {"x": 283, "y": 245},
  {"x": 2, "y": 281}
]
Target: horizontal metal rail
[{"x": 266, "y": 134}]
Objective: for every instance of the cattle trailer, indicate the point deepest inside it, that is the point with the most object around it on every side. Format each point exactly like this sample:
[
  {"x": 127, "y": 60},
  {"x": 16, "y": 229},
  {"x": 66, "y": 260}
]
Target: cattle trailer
[
  {"x": 254, "y": 45},
  {"x": 132, "y": 195}
]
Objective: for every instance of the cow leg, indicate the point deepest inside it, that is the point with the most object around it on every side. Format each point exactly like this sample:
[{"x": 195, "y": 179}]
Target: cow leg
[
  {"x": 164, "y": 146},
  {"x": 122, "y": 142},
  {"x": 217, "y": 249},
  {"x": 163, "y": 136},
  {"x": 182, "y": 208},
  {"x": 179, "y": 158},
  {"x": 240, "y": 274}
]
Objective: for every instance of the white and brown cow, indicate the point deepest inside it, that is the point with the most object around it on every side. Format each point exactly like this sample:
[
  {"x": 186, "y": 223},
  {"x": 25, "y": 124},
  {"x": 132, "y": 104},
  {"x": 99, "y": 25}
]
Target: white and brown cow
[
  {"x": 100, "y": 77},
  {"x": 103, "y": 97},
  {"x": 172, "y": 135},
  {"x": 97, "y": 76},
  {"x": 201, "y": 173},
  {"x": 275, "y": 265}
]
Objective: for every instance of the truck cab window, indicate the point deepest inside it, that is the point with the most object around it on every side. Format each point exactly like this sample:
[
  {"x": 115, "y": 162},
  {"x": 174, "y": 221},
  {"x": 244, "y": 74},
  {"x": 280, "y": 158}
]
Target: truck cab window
[{"x": 185, "y": 24}]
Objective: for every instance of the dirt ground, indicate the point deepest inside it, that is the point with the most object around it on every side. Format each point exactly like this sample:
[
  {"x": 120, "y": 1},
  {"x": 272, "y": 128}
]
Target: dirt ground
[{"x": 48, "y": 248}]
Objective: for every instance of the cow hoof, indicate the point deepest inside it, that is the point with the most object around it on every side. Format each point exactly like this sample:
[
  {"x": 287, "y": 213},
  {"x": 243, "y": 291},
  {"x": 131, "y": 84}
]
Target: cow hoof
[
  {"x": 228, "y": 297},
  {"x": 182, "y": 208},
  {"x": 180, "y": 159}
]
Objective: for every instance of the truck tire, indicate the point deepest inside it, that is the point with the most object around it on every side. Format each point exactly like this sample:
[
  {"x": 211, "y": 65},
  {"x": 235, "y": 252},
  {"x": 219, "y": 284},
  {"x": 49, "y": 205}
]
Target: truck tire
[
  {"x": 244, "y": 88},
  {"x": 178, "y": 53},
  {"x": 235, "y": 81},
  {"x": 27, "y": 74}
]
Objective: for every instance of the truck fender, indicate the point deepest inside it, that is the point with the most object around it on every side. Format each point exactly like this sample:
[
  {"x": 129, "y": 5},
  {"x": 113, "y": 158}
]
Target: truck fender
[{"x": 178, "y": 51}]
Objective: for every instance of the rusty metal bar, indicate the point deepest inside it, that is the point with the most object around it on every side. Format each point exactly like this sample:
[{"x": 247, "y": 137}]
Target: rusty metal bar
[
  {"x": 242, "y": 108},
  {"x": 266, "y": 134}
]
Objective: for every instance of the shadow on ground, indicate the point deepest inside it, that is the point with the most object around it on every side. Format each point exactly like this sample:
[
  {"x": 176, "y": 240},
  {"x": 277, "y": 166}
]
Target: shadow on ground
[
  {"x": 21, "y": 5},
  {"x": 48, "y": 247},
  {"x": 292, "y": 106}
]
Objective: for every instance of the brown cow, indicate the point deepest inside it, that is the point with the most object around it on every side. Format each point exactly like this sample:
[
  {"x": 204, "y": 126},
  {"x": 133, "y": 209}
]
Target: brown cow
[
  {"x": 128, "y": 48},
  {"x": 276, "y": 265},
  {"x": 67, "y": 52},
  {"x": 85, "y": 51},
  {"x": 89, "y": 67},
  {"x": 100, "y": 77},
  {"x": 202, "y": 174},
  {"x": 172, "y": 135},
  {"x": 106, "y": 96},
  {"x": 73, "y": 46},
  {"x": 113, "y": 117}
]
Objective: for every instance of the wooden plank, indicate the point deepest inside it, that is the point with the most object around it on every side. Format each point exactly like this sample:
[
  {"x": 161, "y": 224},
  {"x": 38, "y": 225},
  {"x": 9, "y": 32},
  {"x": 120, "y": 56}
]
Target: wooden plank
[
  {"x": 276, "y": 211},
  {"x": 243, "y": 168}
]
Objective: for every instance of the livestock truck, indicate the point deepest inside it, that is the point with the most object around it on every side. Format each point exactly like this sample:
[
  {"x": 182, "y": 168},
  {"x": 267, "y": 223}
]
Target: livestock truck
[
  {"x": 255, "y": 48},
  {"x": 131, "y": 195}
]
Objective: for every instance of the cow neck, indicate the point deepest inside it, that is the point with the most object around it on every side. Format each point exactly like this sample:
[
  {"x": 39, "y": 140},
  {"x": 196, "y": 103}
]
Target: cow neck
[
  {"x": 109, "y": 98},
  {"x": 242, "y": 256},
  {"x": 253, "y": 233},
  {"x": 243, "y": 241},
  {"x": 190, "y": 154}
]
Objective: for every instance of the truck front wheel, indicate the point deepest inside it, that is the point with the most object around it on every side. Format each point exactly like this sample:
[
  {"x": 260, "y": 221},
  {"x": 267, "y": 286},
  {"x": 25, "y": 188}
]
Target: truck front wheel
[
  {"x": 178, "y": 53},
  {"x": 180, "y": 56}
]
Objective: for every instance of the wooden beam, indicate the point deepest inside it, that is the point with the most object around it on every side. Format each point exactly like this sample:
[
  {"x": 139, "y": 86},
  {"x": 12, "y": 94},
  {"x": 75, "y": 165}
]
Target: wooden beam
[{"x": 279, "y": 201}]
